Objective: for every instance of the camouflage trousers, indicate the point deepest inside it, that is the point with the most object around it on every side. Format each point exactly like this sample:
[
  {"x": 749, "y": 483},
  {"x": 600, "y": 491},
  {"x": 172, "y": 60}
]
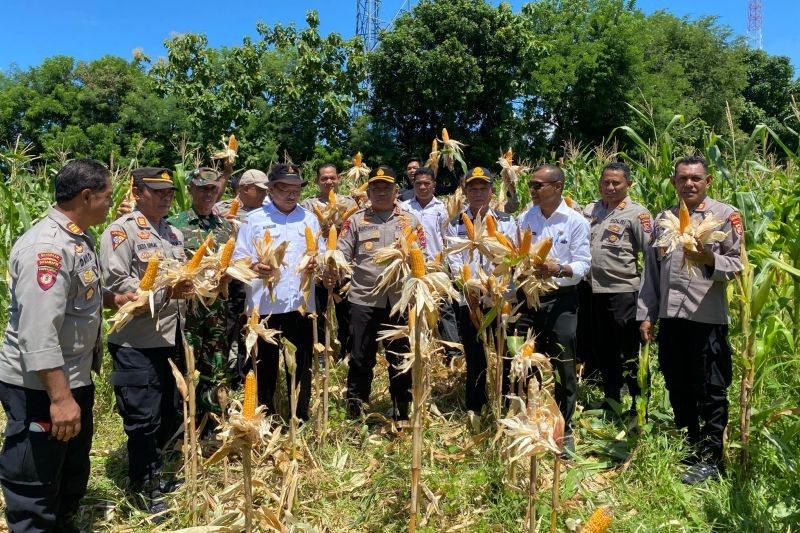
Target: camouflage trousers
[{"x": 206, "y": 333}]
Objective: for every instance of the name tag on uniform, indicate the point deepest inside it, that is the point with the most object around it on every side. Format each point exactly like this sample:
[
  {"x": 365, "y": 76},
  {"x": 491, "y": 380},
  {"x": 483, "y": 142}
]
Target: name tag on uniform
[
  {"x": 368, "y": 227},
  {"x": 374, "y": 234}
]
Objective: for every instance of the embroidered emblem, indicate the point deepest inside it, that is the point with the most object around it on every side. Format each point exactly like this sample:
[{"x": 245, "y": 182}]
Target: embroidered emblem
[
  {"x": 89, "y": 293},
  {"x": 615, "y": 228},
  {"x": 73, "y": 227},
  {"x": 144, "y": 235},
  {"x": 46, "y": 278},
  {"x": 477, "y": 172},
  {"x": 88, "y": 276},
  {"x": 141, "y": 221},
  {"x": 79, "y": 248},
  {"x": 700, "y": 207},
  {"x": 736, "y": 221},
  {"x": 647, "y": 223},
  {"x": 612, "y": 238},
  {"x": 368, "y": 246},
  {"x": 379, "y": 172},
  {"x": 622, "y": 205},
  {"x": 345, "y": 228},
  {"x": 48, "y": 260},
  {"x": 117, "y": 238}
]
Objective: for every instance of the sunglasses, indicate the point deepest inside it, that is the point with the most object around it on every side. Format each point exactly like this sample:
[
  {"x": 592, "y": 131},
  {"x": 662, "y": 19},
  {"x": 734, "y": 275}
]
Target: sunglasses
[{"x": 536, "y": 185}]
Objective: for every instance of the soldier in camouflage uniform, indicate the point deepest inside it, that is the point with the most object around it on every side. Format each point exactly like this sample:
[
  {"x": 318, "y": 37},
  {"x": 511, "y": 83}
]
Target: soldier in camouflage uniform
[{"x": 205, "y": 327}]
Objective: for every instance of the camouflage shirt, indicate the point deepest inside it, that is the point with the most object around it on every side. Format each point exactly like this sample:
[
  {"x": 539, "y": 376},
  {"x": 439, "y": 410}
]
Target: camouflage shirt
[{"x": 195, "y": 228}]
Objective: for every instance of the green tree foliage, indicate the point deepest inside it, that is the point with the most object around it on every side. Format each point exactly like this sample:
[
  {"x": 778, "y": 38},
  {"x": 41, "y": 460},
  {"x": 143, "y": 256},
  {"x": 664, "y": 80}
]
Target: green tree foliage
[{"x": 768, "y": 95}]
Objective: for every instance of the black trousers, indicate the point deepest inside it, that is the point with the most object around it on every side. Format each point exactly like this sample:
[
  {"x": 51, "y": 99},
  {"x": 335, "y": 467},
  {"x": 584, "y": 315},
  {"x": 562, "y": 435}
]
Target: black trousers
[
  {"x": 236, "y": 320},
  {"x": 616, "y": 342},
  {"x": 475, "y": 386},
  {"x": 296, "y": 328},
  {"x": 342, "y": 310},
  {"x": 585, "y": 351},
  {"x": 148, "y": 402},
  {"x": 696, "y": 361},
  {"x": 365, "y": 323},
  {"x": 448, "y": 326},
  {"x": 555, "y": 324},
  {"x": 43, "y": 478}
]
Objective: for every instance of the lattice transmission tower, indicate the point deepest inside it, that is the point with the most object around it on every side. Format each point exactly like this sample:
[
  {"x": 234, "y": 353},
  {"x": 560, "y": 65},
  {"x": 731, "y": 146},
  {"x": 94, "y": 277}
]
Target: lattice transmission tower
[
  {"x": 368, "y": 22},
  {"x": 754, "y": 32}
]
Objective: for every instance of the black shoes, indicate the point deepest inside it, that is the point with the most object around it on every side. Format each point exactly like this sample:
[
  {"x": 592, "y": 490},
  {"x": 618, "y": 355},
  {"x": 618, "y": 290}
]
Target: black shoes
[
  {"x": 400, "y": 412},
  {"x": 701, "y": 472}
]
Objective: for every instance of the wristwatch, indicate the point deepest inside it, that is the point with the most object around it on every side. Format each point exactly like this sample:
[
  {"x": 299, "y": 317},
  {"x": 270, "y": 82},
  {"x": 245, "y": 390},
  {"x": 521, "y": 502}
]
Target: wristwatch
[{"x": 560, "y": 271}]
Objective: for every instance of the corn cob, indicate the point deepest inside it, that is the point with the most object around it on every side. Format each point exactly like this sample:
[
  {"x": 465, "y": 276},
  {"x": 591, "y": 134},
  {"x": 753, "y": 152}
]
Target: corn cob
[
  {"x": 357, "y": 159},
  {"x": 506, "y": 309},
  {"x": 502, "y": 239},
  {"x": 227, "y": 253},
  {"x": 413, "y": 235},
  {"x": 509, "y": 156},
  {"x": 417, "y": 261},
  {"x": 332, "y": 197},
  {"x": 363, "y": 186},
  {"x": 311, "y": 242},
  {"x": 233, "y": 144},
  {"x": 525, "y": 245},
  {"x": 445, "y": 135},
  {"x": 235, "y": 203},
  {"x": 318, "y": 212},
  {"x": 253, "y": 320},
  {"x": 350, "y": 212},
  {"x": 194, "y": 262},
  {"x": 466, "y": 273},
  {"x": 599, "y": 522},
  {"x": 412, "y": 322},
  {"x": 267, "y": 237},
  {"x": 149, "y": 278},
  {"x": 468, "y": 226},
  {"x": 569, "y": 201},
  {"x": 542, "y": 250},
  {"x": 684, "y": 217},
  {"x": 249, "y": 402},
  {"x": 528, "y": 349},
  {"x": 491, "y": 225},
  {"x": 437, "y": 259},
  {"x": 332, "y": 238},
  {"x": 435, "y": 145}
]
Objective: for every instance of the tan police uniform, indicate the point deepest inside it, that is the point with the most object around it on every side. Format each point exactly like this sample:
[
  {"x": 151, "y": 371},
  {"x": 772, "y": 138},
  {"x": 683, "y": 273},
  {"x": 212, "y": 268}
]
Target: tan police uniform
[{"x": 618, "y": 237}]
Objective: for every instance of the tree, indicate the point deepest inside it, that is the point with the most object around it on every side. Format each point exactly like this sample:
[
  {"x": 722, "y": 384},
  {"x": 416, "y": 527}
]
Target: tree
[{"x": 768, "y": 95}]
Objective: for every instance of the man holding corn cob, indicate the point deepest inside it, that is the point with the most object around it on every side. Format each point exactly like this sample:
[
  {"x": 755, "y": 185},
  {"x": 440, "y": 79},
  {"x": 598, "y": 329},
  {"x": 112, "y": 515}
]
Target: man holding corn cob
[
  {"x": 281, "y": 221},
  {"x": 620, "y": 232},
  {"x": 362, "y": 235},
  {"x": 52, "y": 342},
  {"x": 205, "y": 326},
  {"x": 685, "y": 291},
  {"x": 554, "y": 321},
  {"x": 250, "y": 191},
  {"x": 478, "y": 190},
  {"x": 143, "y": 383}
]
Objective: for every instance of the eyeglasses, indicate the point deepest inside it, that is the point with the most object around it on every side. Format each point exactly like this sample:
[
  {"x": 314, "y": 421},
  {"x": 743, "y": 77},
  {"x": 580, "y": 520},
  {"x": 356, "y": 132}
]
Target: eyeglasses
[
  {"x": 536, "y": 185},
  {"x": 288, "y": 192}
]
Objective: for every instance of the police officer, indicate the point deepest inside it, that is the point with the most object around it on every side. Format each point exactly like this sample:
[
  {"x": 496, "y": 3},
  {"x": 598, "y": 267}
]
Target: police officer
[
  {"x": 205, "y": 327},
  {"x": 251, "y": 190},
  {"x": 620, "y": 231},
  {"x": 142, "y": 379},
  {"x": 555, "y": 320},
  {"x": 365, "y": 232},
  {"x": 328, "y": 181},
  {"x": 286, "y": 221},
  {"x": 52, "y": 341},
  {"x": 432, "y": 213},
  {"x": 692, "y": 311},
  {"x": 478, "y": 190}
]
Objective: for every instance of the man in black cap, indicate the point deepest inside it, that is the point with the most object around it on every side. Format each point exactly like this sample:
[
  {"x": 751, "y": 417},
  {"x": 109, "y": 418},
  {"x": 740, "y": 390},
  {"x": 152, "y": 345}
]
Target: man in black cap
[{"x": 362, "y": 235}]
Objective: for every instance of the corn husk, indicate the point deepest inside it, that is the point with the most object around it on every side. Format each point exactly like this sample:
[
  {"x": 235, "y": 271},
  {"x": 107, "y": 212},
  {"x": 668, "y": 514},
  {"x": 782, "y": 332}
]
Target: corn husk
[{"x": 688, "y": 233}]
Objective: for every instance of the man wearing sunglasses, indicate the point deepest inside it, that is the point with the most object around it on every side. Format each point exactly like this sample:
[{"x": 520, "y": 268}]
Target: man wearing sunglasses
[{"x": 555, "y": 320}]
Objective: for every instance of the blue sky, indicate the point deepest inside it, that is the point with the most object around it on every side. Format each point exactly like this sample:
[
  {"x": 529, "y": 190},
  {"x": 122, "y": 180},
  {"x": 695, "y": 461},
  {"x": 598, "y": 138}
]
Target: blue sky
[{"x": 88, "y": 29}]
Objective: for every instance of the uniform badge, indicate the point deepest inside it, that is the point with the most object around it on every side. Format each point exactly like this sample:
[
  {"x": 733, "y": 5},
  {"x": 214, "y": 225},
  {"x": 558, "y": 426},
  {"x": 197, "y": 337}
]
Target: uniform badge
[
  {"x": 74, "y": 228},
  {"x": 345, "y": 228},
  {"x": 736, "y": 221},
  {"x": 622, "y": 205},
  {"x": 701, "y": 207},
  {"x": 379, "y": 172},
  {"x": 48, "y": 260},
  {"x": 117, "y": 238},
  {"x": 88, "y": 276},
  {"x": 368, "y": 246},
  {"x": 647, "y": 223},
  {"x": 612, "y": 238},
  {"x": 144, "y": 235},
  {"x": 89, "y": 293},
  {"x": 46, "y": 278},
  {"x": 146, "y": 255},
  {"x": 79, "y": 248},
  {"x": 141, "y": 221},
  {"x": 615, "y": 228}
]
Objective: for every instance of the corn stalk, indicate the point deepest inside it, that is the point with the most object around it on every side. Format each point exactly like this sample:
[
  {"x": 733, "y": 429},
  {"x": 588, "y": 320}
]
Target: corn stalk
[
  {"x": 532, "y": 477},
  {"x": 418, "y": 393}
]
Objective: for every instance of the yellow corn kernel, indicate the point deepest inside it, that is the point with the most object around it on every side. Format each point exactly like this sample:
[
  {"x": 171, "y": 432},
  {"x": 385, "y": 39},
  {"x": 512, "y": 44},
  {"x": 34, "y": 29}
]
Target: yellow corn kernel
[
  {"x": 437, "y": 259},
  {"x": 435, "y": 145},
  {"x": 357, "y": 159},
  {"x": 509, "y": 156},
  {"x": 253, "y": 321},
  {"x": 233, "y": 144},
  {"x": 417, "y": 261},
  {"x": 468, "y": 226},
  {"x": 149, "y": 278},
  {"x": 319, "y": 213},
  {"x": 527, "y": 349},
  {"x": 502, "y": 239},
  {"x": 194, "y": 262},
  {"x": 466, "y": 273},
  {"x": 331, "y": 197},
  {"x": 332, "y": 238},
  {"x": 363, "y": 187},
  {"x": 569, "y": 201},
  {"x": 525, "y": 244},
  {"x": 311, "y": 242},
  {"x": 267, "y": 237},
  {"x": 445, "y": 135},
  {"x": 249, "y": 402},
  {"x": 684, "y": 217},
  {"x": 599, "y": 522},
  {"x": 491, "y": 225},
  {"x": 235, "y": 203},
  {"x": 350, "y": 212},
  {"x": 413, "y": 235},
  {"x": 412, "y": 322},
  {"x": 506, "y": 309},
  {"x": 542, "y": 249},
  {"x": 227, "y": 253}
]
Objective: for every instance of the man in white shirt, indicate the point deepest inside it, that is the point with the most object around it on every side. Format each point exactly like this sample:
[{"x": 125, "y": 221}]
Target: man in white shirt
[
  {"x": 286, "y": 221},
  {"x": 432, "y": 214},
  {"x": 555, "y": 320}
]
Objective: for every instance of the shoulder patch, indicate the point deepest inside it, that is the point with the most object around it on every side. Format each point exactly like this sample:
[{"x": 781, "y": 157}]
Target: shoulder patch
[
  {"x": 117, "y": 238},
  {"x": 74, "y": 228},
  {"x": 647, "y": 223},
  {"x": 345, "y": 228},
  {"x": 47, "y": 266},
  {"x": 141, "y": 221},
  {"x": 736, "y": 221}
]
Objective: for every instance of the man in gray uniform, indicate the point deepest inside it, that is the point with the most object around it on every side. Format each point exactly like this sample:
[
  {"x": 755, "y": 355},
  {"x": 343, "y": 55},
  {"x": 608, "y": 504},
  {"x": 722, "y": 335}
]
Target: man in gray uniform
[
  {"x": 142, "y": 379},
  {"x": 362, "y": 235},
  {"x": 620, "y": 231},
  {"x": 52, "y": 341},
  {"x": 692, "y": 310}
]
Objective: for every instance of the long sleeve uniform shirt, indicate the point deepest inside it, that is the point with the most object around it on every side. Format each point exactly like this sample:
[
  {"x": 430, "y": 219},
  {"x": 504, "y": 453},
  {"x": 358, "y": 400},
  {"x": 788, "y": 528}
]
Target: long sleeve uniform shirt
[
  {"x": 570, "y": 233},
  {"x": 670, "y": 290},
  {"x": 433, "y": 218},
  {"x": 291, "y": 228}
]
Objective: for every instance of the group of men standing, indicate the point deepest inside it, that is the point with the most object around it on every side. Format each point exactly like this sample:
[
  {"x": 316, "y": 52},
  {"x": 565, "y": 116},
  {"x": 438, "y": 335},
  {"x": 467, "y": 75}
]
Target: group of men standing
[{"x": 59, "y": 283}]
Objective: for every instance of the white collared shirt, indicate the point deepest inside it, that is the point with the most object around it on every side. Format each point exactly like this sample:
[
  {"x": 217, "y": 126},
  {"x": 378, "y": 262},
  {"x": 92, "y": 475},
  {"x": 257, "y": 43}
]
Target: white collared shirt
[
  {"x": 570, "y": 232},
  {"x": 433, "y": 218},
  {"x": 283, "y": 227}
]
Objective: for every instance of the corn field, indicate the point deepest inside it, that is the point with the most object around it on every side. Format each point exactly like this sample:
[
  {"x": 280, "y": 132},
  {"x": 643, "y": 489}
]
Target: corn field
[{"x": 357, "y": 479}]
